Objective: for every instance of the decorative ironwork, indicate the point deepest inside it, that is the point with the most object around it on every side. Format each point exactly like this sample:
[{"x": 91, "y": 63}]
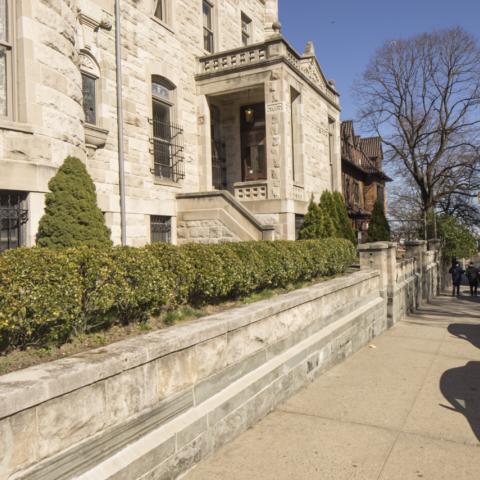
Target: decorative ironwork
[
  {"x": 13, "y": 216},
  {"x": 219, "y": 166},
  {"x": 167, "y": 151},
  {"x": 160, "y": 229}
]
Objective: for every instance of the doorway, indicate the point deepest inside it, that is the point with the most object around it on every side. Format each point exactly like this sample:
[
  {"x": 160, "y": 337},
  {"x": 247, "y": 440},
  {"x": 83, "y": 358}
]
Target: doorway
[{"x": 253, "y": 142}]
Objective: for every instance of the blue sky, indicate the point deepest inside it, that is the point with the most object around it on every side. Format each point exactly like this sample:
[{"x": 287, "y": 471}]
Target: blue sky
[{"x": 346, "y": 33}]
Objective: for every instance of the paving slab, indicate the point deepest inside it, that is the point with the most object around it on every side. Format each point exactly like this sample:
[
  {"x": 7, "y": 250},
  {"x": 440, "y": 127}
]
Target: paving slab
[{"x": 405, "y": 407}]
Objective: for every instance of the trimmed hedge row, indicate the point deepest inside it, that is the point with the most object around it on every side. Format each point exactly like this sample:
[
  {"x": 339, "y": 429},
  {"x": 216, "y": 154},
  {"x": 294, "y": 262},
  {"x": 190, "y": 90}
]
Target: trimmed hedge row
[{"x": 51, "y": 295}]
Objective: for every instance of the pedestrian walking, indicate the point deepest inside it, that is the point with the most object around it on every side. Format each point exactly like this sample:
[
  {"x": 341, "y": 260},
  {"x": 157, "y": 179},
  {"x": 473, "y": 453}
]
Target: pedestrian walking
[
  {"x": 473, "y": 277},
  {"x": 457, "y": 272}
]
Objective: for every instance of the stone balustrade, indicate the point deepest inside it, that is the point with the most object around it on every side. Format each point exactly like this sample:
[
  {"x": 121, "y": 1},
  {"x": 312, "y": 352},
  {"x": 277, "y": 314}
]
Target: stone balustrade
[{"x": 262, "y": 54}]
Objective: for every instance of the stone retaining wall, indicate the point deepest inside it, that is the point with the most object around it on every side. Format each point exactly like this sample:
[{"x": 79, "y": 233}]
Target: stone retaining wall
[{"x": 153, "y": 406}]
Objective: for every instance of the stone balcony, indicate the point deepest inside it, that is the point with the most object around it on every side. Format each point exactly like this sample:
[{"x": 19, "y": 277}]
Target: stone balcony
[{"x": 261, "y": 55}]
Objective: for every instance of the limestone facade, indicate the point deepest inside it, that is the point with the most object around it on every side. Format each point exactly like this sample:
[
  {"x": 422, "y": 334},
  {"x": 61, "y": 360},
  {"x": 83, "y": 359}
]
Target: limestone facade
[{"x": 251, "y": 116}]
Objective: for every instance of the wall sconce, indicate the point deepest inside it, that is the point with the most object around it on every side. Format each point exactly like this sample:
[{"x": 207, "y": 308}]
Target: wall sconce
[{"x": 249, "y": 114}]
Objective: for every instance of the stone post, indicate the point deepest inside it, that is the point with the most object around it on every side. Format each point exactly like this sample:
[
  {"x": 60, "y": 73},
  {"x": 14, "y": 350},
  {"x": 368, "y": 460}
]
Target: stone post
[
  {"x": 434, "y": 245},
  {"x": 416, "y": 249},
  {"x": 375, "y": 256}
]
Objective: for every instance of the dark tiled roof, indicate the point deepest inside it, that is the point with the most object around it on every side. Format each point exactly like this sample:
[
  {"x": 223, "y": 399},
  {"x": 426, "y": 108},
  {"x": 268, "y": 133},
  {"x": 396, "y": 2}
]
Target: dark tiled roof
[
  {"x": 353, "y": 150},
  {"x": 372, "y": 146}
]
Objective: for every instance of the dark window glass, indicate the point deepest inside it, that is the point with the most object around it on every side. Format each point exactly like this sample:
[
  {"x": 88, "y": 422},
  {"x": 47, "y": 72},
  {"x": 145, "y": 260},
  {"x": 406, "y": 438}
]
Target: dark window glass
[
  {"x": 160, "y": 229},
  {"x": 13, "y": 217},
  {"x": 208, "y": 27},
  {"x": 89, "y": 98},
  {"x": 299, "y": 220},
  {"x": 246, "y": 29},
  {"x": 160, "y": 10}
]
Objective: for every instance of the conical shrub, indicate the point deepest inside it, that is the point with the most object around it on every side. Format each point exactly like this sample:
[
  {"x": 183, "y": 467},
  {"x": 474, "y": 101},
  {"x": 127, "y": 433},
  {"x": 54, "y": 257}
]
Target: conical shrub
[
  {"x": 312, "y": 225},
  {"x": 72, "y": 217},
  {"x": 378, "y": 228},
  {"x": 344, "y": 223}
]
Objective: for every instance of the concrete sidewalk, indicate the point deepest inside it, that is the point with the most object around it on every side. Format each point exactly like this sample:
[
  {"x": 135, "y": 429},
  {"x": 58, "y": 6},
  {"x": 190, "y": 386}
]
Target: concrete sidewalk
[{"x": 405, "y": 407}]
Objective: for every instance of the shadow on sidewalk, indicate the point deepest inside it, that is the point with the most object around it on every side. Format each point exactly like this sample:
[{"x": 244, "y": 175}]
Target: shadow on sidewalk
[
  {"x": 466, "y": 331},
  {"x": 461, "y": 388}
]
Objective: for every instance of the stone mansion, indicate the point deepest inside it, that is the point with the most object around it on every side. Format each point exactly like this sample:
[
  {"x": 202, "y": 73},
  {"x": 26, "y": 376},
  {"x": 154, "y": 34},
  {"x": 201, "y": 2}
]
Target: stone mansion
[{"x": 227, "y": 131}]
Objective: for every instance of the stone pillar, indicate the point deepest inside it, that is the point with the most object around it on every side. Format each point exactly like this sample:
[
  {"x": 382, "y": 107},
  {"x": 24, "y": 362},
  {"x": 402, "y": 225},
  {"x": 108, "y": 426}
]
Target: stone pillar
[
  {"x": 382, "y": 256},
  {"x": 374, "y": 256},
  {"x": 272, "y": 25},
  {"x": 205, "y": 144},
  {"x": 416, "y": 249},
  {"x": 276, "y": 112},
  {"x": 434, "y": 244}
]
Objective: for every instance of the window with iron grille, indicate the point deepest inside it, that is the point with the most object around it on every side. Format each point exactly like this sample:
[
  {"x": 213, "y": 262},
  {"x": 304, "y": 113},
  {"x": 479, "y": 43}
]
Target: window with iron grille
[
  {"x": 160, "y": 229},
  {"x": 13, "y": 218},
  {"x": 208, "y": 39},
  {"x": 246, "y": 29},
  {"x": 167, "y": 136}
]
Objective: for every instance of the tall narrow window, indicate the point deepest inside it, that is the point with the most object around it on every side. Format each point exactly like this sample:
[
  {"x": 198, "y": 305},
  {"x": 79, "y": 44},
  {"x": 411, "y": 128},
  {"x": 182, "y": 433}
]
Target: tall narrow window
[
  {"x": 167, "y": 145},
  {"x": 6, "y": 63},
  {"x": 89, "y": 98},
  {"x": 208, "y": 43},
  {"x": 246, "y": 30},
  {"x": 161, "y": 10},
  {"x": 160, "y": 229}
]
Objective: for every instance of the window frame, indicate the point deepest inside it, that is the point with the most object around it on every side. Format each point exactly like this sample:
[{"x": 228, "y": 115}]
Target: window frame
[
  {"x": 163, "y": 5},
  {"x": 211, "y": 29},
  {"x": 95, "y": 98},
  {"x": 9, "y": 46},
  {"x": 245, "y": 19},
  {"x": 163, "y": 236}
]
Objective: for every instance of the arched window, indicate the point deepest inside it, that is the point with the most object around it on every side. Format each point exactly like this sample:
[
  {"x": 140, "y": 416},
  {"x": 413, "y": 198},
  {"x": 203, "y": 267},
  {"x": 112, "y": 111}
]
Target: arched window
[
  {"x": 6, "y": 58},
  {"x": 90, "y": 74},
  {"x": 167, "y": 146}
]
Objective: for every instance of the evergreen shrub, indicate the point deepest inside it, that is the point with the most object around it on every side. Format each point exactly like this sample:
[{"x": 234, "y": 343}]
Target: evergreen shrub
[
  {"x": 378, "y": 228},
  {"x": 48, "y": 295},
  {"x": 72, "y": 217}
]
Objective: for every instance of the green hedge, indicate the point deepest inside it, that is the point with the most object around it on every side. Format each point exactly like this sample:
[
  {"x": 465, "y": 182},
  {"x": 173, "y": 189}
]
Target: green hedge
[{"x": 48, "y": 296}]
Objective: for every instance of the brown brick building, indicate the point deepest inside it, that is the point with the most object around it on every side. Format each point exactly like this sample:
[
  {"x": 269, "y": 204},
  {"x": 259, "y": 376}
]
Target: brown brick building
[{"x": 363, "y": 180}]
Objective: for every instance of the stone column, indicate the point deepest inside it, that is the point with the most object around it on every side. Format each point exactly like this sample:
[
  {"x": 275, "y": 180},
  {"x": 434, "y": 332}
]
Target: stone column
[{"x": 416, "y": 249}]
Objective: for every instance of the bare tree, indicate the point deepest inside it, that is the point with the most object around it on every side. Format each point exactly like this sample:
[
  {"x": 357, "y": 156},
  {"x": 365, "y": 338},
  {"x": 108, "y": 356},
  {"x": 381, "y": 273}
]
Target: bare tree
[{"x": 422, "y": 96}]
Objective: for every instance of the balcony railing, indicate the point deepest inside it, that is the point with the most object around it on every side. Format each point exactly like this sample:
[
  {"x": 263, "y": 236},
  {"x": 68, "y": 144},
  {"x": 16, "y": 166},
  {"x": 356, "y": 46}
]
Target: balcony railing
[
  {"x": 168, "y": 151},
  {"x": 262, "y": 53}
]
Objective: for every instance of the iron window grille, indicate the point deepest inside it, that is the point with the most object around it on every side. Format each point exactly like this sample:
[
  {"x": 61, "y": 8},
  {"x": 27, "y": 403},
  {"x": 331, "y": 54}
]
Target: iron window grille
[
  {"x": 160, "y": 229},
  {"x": 167, "y": 150},
  {"x": 219, "y": 166},
  {"x": 13, "y": 217}
]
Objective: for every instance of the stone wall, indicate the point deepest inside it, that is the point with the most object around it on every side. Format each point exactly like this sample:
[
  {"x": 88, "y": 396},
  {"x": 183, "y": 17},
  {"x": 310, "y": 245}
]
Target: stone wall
[
  {"x": 405, "y": 284},
  {"x": 157, "y": 404}
]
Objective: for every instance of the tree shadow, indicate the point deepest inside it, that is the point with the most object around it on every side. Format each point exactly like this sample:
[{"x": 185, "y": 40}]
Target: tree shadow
[
  {"x": 461, "y": 388},
  {"x": 466, "y": 331}
]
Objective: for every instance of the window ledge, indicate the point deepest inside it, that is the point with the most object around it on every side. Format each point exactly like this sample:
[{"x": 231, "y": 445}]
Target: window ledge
[
  {"x": 95, "y": 136},
  {"x": 166, "y": 182},
  {"x": 163, "y": 24},
  {"x": 15, "y": 126}
]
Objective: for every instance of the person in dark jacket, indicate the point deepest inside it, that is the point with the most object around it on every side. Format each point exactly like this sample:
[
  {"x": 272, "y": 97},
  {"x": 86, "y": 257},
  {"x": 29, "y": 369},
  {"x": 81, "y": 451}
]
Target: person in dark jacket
[
  {"x": 472, "y": 275},
  {"x": 457, "y": 273}
]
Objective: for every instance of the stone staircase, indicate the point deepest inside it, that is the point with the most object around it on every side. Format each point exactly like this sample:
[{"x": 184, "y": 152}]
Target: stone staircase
[{"x": 216, "y": 217}]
